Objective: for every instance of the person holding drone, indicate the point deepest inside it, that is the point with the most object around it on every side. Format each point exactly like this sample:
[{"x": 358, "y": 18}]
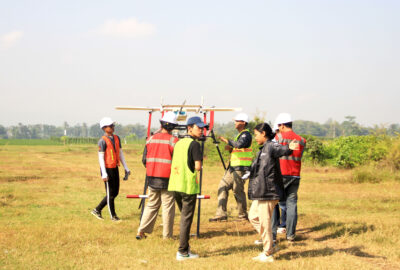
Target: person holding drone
[
  {"x": 157, "y": 158},
  {"x": 110, "y": 156}
]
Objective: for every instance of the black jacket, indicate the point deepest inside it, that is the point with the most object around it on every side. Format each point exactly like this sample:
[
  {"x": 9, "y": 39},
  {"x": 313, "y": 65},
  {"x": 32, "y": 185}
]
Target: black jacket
[{"x": 266, "y": 178}]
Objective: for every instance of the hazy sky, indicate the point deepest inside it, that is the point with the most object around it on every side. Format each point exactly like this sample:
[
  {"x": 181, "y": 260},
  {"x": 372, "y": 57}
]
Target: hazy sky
[{"x": 75, "y": 61}]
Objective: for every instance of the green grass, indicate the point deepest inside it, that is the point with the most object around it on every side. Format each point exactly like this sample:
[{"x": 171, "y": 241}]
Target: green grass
[
  {"x": 47, "y": 192},
  {"x": 29, "y": 142}
]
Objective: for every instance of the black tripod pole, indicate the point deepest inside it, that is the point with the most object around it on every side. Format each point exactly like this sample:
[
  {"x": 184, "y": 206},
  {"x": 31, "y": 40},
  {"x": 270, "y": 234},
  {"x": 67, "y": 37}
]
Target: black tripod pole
[
  {"x": 200, "y": 182},
  {"x": 216, "y": 145}
]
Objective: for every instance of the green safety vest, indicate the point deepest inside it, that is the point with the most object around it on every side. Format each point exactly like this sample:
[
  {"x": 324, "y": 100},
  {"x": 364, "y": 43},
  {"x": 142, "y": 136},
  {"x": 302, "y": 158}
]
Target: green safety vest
[
  {"x": 182, "y": 179},
  {"x": 241, "y": 156}
]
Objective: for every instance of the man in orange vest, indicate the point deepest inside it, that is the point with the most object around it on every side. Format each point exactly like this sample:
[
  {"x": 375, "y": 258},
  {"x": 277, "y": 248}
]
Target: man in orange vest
[
  {"x": 157, "y": 158},
  {"x": 110, "y": 155},
  {"x": 290, "y": 169}
]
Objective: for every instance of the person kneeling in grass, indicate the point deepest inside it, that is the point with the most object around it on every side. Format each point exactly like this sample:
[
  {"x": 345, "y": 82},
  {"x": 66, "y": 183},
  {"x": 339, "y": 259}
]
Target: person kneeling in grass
[
  {"x": 183, "y": 181},
  {"x": 266, "y": 186}
]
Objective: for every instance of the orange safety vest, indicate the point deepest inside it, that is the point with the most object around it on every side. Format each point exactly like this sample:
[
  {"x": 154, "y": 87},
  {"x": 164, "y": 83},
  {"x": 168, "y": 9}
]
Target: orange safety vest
[
  {"x": 111, "y": 155},
  {"x": 291, "y": 165},
  {"x": 159, "y": 155}
]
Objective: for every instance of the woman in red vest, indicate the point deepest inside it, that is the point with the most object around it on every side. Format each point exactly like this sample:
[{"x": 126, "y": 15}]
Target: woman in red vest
[
  {"x": 110, "y": 155},
  {"x": 157, "y": 157}
]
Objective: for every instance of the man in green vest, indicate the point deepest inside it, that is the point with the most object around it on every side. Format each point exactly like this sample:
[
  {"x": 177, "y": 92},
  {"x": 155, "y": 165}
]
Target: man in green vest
[
  {"x": 241, "y": 158},
  {"x": 183, "y": 181}
]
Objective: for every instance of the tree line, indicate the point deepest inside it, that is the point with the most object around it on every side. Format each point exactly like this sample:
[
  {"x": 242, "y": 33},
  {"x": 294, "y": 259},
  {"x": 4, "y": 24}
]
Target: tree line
[
  {"x": 329, "y": 129},
  {"x": 43, "y": 131}
]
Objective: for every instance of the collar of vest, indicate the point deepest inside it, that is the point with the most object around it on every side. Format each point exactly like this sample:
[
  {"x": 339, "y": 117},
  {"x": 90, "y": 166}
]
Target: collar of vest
[{"x": 240, "y": 133}]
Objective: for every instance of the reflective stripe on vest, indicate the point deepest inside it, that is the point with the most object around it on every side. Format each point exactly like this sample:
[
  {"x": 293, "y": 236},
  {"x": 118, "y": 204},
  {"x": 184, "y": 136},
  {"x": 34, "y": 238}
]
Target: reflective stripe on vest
[
  {"x": 160, "y": 160},
  {"x": 291, "y": 158},
  {"x": 159, "y": 155},
  {"x": 182, "y": 179},
  {"x": 241, "y": 156},
  {"x": 169, "y": 142},
  {"x": 111, "y": 155}
]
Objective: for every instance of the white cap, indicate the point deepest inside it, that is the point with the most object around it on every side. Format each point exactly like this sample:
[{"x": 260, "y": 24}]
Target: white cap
[
  {"x": 169, "y": 117},
  {"x": 106, "y": 121},
  {"x": 283, "y": 118},
  {"x": 242, "y": 117}
]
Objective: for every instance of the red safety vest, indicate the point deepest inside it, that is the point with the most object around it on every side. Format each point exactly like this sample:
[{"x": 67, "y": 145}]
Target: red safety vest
[
  {"x": 291, "y": 165},
  {"x": 159, "y": 154},
  {"x": 111, "y": 155}
]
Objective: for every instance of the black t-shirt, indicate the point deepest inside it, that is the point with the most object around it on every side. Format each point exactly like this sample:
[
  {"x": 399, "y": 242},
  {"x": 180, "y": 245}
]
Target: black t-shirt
[{"x": 194, "y": 154}]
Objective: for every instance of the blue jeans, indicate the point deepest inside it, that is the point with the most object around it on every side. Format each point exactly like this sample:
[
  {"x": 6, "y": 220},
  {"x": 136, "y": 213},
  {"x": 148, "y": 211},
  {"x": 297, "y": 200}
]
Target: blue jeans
[
  {"x": 291, "y": 185},
  {"x": 281, "y": 214}
]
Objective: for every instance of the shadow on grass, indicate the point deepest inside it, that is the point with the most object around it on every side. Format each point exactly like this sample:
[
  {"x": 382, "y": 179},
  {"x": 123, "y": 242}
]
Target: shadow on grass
[
  {"x": 215, "y": 233},
  {"x": 231, "y": 250},
  {"x": 339, "y": 229},
  {"x": 355, "y": 251}
]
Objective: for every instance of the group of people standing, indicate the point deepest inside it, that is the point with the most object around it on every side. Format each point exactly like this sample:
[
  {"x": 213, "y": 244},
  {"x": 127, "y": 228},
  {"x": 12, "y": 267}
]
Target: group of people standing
[{"x": 171, "y": 173}]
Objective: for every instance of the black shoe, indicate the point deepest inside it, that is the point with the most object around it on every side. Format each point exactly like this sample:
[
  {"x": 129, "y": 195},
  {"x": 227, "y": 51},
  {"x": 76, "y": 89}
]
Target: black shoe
[
  {"x": 216, "y": 219},
  {"x": 97, "y": 214},
  {"x": 141, "y": 236},
  {"x": 116, "y": 219}
]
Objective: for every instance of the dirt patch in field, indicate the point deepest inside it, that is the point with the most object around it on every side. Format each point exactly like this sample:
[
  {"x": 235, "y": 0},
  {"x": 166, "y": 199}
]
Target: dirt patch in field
[
  {"x": 6, "y": 199},
  {"x": 21, "y": 178}
]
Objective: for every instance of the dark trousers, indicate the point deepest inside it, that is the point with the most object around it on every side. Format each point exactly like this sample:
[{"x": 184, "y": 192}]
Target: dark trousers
[
  {"x": 291, "y": 185},
  {"x": 186, "y": 204},
  {"x": 280, "y": 214},
  {"x": 112, "y": 190}
]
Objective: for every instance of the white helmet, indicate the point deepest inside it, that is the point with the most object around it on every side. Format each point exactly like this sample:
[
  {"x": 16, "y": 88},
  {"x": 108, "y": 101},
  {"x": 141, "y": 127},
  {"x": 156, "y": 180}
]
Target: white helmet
[
  {"x": 169, "y": 117},
  {"x": 106, "y": 121},
  {"x": 283, "y": 118},
  {"x": 242, "y": 117}
]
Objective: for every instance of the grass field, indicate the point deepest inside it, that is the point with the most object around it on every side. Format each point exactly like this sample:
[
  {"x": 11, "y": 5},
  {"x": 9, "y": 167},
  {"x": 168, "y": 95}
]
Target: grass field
[{"x": 47, "y": 192}]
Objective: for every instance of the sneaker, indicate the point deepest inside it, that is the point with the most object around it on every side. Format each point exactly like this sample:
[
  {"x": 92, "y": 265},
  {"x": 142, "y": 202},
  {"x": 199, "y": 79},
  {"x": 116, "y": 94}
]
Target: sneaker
[
  {"x": 97, "y": 214},
  {"x": 262, "y": 257},
  {"x": 291, "y": 239},
  {"x": 274, "y": 245},
  {"x": 141, "y": 236},
  {"x": 242, "y": 219},
  {"x": 281, "y": 230},
  {"x": 258, "y": 242},
  {"x": 116, "y": 219},
  {"x": 182, "y": 257},
  {"x": 216, "y": 219}
]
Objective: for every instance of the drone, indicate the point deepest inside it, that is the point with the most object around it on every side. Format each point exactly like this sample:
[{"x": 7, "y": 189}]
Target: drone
[{"x": 181, "y": 111}]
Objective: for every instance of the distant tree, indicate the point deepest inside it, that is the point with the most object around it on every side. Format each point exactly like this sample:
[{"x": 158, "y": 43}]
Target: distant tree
[
  {"x": 95, "y": 131},
  {"x": 310, "y": 128},
  {"x": 350, "y": 127},
  {"x": 334, "y": 129},
  {"x": 85, "y": 131},
  {"x": 3, "y": 132},
  {"x": 393, "y": 130}
]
